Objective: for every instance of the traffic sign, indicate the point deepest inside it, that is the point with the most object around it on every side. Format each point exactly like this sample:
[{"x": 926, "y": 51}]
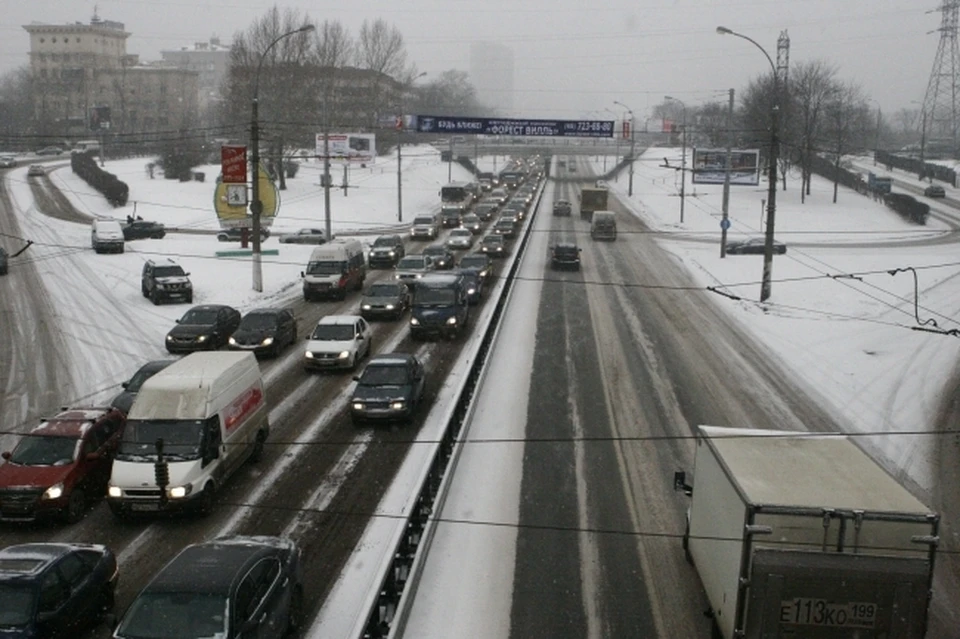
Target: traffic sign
[{"x": 725, "y": 224}]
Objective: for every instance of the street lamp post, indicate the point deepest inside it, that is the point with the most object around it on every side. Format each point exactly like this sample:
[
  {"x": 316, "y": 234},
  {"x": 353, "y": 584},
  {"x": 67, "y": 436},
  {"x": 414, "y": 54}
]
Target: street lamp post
[
  {"x": 256, "y": 206},
  {"x": 632, "y": 147},
  {"x": 400, "y": 124},
  {"x": 772, "y": 170},
  {"x": 683, "y": 157},
  {"x": 876, "y": 139}
]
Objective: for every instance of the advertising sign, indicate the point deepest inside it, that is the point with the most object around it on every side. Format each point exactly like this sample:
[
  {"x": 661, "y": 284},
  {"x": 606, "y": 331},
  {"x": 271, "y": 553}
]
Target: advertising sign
[
  {"x": 349, "y": 147},
  {"x": 230, "y": 202},
  {"x": 626, "y": 129},
  {"x": 500, "y": 126},
  {"x": 233, "y": 164},
  {"x": 709, "y": 166}
]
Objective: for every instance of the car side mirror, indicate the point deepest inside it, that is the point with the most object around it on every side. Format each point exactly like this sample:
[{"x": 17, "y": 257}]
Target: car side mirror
[
  {"x": 124, "y": 385},
  {"x": 356, "y": 378},
  {"x": 186, "y": 275},
  {"x": 178, "y": 321},
  {"x": 92, "y": 457},
  {"x": 307, "y": 338},
  {"x": 302, "y": 274},
  {"x": 6, "y": 455},
  {"x": 359, "y": 338}
]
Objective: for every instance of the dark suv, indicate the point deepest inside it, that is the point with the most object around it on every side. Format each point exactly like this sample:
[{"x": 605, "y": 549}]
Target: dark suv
[
  {"x": 164, "y": 280},
  {"x": 440, "y": 306},
  {"x": 203, "y": 328},
  {"x": 565, "y": 255},
  {"x": 386, "y": 251},
  {"x": 391, "y": 388},
  {"x": 61, "y": 465},
  {"x": 55, "y": 590},
  {"x": 230, "y": 587}
]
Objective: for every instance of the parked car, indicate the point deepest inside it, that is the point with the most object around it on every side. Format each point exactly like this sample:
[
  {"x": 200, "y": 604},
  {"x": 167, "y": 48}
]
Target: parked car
[
  {"x": 164, "y": 280},
  {"x": 460, "y": 240},
  {"x": 472, "y": 223},
  {"x": 477, "y": 262},
  {"x": 753, "y": 246},
  {"x": 8, "y": 161},
  {"x": 386, "y": 251},
  {"x": 228, "y": 588},
  {"x": 562, "y": 207},
  {"x": 441, "y": 256},
  {"x": 935, "y": 190},
  {"x": 236, "y": 234},
  {"x": 493, "y": 245},
  {"x": 124, "y": 400},
  {"x": 305, "y": 236},
  {"x": 55, "y": 590},
  {"x": 391, "y": 388},
  {"x": 50, "y": 150},
  {"x": 60, "y": 466},
  {"x": 203, "y": 328},
  {"x": 413, "y": 267},
  {"x": 338, "y": 341},
  {"x": 36, "y": 170},
  {"x": 143, "y": 230},
  {"x": 4, "y": 261},
  {"x": 385, "y": 300},
  {"x": 265, "y": 331},
  {"x": 565, "y": 255}
]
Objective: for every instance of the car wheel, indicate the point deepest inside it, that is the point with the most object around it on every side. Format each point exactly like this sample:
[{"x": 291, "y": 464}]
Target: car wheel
[
  {"x": 144, "y": 291},
  {"x": 190, "y": 298},
  {"x": 155, "y": 298},
  {"x": 258, "y": 447},
  {"x": 105, "y": 602},
  {"x": 205, "y": 501},
  {"x": 295, "y": 614},
  {"x": 118, "y": 512},
  {"x": 76, "y": 504},
  {"x": 222, "y": 238}
]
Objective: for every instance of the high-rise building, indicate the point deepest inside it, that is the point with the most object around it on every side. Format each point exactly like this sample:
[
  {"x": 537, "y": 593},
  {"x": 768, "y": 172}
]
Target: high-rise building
[
  {"x": 211, "y": 60},
  {"x": 491, "y": 72}
]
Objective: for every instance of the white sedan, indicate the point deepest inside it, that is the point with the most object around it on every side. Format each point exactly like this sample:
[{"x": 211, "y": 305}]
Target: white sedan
[
  {"x": 460, "y": 239},
  {"x": 338, "y": 341}
]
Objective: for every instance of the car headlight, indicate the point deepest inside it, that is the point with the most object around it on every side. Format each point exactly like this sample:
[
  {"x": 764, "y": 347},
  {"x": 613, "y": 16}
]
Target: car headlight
[
  {"x": 389, "y": 307},
  {"x": 179, "y": 492},
  {"x": 452, "y": 321},
  {"x": 418, "y": 276},
  {"x": 414, "y": 321},
  {"x": 397, "y": 405},
  {"x": 266, "y": 342},
  {"x": 357, "y": 406},
  {"x": 413, "y": 231},
  {"x": 169, "y": 338},
  {"x": 114, "y": 491},
  {"x": 308, "y": 355},
  {"x": 366, "y": 307},
  {"x": 471, "y": 291},
  {"x": 343, "y": 355},
  {"x": 54, "y": 492},
  {"x": 391, "y": 253},
  {"x": 232, "y": 342},
  {"x": 202, "y": 338}
]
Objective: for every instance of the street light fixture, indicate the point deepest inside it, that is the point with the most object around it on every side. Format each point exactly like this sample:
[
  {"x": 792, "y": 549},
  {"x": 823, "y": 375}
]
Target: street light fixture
[
  {"x": 772, "y": 172},
  {"x": 400, "y": 144},
  {"x": 632, "y": 147},
  {"x": 683, "y": 160},
  {"x": 256, "y": 206}
]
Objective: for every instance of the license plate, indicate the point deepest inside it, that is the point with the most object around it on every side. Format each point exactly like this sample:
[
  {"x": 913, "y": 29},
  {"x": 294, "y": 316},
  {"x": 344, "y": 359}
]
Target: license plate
[
  {"x": 805, "y": 611},
  {"x": 145, "y": 507}
]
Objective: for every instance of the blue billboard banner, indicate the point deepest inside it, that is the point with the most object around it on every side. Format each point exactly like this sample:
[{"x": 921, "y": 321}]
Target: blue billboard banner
[{"x": 501, "y": 126}]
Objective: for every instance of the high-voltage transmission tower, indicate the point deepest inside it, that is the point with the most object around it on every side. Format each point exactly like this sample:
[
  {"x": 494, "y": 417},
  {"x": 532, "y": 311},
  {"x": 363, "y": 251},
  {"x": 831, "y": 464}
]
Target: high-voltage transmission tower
[
  {"x": 783, "y": 58},
  {"x": 941, "y": 104}
]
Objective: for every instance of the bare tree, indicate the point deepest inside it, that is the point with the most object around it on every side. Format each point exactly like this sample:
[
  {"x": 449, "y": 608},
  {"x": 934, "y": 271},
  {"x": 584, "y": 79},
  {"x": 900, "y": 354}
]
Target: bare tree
[
  {"x": 812, "y": 83},
  {"x": 846, "y": 113},
  {"x": 381, "y": 50},
  {"x": 16, "y": 106}
]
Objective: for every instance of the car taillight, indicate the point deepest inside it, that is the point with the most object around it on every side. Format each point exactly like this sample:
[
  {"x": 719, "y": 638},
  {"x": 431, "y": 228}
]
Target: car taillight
[{"x": 343, "y": 281}]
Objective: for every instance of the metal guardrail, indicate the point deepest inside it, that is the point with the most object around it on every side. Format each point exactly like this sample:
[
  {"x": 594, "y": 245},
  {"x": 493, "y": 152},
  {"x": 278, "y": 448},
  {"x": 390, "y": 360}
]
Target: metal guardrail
[{"x": 396, "y": 575}]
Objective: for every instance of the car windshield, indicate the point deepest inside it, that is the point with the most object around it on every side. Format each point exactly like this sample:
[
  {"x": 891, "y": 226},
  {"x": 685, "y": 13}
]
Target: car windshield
[
  {"x": 168, "y": 271},
  {"x": 258, "y": 321},
  {"x": 382, "y": 290},
  {"x": 429, "y": 296},
  {"x": 384, "y": 376},
  {"x": 16, "y": 605},
  {"x": 200, "y": 316},
  {"x": 435, "y": 250},
  {"x": 176, "y": 615},
  {"x": 423, "y": 221},
  {"x": 40, "y": 450},
  {"x": 460, "y": 233},
  {"x": 325, "y": 268},
  {"x": 492, "y": 239},
  {"x": 140, "y": 377},
  {"x": 473, "y": 262},
  {"x": 411, "y": 262},
  {"x": 385, "y": 241},
  {"x": 333, "y": 332},
  {"x": 181, "y": 439}
]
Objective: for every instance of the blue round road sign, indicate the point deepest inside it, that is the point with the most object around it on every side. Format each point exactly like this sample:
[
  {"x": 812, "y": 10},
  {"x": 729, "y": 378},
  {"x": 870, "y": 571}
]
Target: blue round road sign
[{"x": 725, "y": 224}]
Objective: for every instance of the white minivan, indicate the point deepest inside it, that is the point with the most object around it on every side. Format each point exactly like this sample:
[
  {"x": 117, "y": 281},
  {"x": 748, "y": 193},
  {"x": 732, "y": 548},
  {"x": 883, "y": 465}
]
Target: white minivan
[
  {"x": 334, "y": 268},
  {"x": 106, "y": 236},
  {"x": 191, "y": 426}
]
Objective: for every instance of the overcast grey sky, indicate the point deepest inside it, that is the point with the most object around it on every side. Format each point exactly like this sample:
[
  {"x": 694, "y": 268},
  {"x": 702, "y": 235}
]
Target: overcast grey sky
[{"x": 571, "y": 56}]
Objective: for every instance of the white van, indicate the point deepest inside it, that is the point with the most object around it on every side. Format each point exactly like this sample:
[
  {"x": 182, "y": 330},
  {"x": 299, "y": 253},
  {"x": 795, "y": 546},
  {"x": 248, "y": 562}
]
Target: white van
[
  {"x": 84, "y": 146},
  {"x": 603, "y": 226},
  {"x": 191, "y": 426},
  {"x": 106, "y": 236},
  {"x": 334, "y": 268}
]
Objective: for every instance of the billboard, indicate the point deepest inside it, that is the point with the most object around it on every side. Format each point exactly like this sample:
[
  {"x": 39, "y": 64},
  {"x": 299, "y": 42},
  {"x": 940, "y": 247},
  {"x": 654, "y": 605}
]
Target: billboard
[
  {"x": 231, "y": 203},
  {"x": 233, "y": 164},
  {"x": 500, "y": 126},
  {"x": 709, "y": 166},
  {"x": 349, "y": 147}
]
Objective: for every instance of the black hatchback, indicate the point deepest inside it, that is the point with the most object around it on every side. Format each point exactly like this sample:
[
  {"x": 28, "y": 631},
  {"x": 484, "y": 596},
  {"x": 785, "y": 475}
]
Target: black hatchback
[
  {"x": 442, "y": 257},
  {"x": 390, "y": 389},
  {"x": 124, "y": 400},
  {"x": 143, "y": 230},
  {"x": 203, "y": 328},
  {"x": 265, "y": 331},
  {"x": 55, "y": 590},
  {"x": 228, "y": 588}
]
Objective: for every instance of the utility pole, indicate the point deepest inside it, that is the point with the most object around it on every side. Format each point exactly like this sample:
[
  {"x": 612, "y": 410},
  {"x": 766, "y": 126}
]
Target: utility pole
[
  {"x": 683, "y": 165},
  {"x": 876, "y": 142},
  {"x": 399, "y": 169},
  {"x": 725, "y": 221},
  {"x": 450, "y": 163},
  {"x": 633, "y": 139}
]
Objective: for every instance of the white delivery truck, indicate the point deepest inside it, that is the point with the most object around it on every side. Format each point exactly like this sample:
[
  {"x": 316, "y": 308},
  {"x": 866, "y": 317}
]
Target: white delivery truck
[
  {"x": 191, "y": 426},
  {"x": 333, "y": 269},
  {"x": 803, "y": 536}
]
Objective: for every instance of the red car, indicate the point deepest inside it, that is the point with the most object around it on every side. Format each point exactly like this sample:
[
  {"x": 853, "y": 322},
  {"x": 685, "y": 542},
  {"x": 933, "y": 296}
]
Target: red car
[{"x": 60, "y": 466}]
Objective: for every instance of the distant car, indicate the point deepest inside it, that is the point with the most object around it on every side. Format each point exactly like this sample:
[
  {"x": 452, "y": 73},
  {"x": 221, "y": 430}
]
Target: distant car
[
  {"x": 50, "y": 150},
  {"x": 493, "y": 245},
  {"x": 460, "y": 239},
  {"x": 203, "y": 328},
  {"x": 562, "y": 207},
  {"x": 124, "y": 400},
  {"x": 60, "y": 466},
  {"x": 935, "y": 190},
  {"x": 235, "y": 234},
  {"x": 386, "y": 251},
  {"x": 143, "y": 230},
  {"x": 413, "y": 267},
  {"x": 55, "y": 590},
  {"x": 486, "y": 210},
  {"x": 391, "y": 388},
  {"x": 4, "y": 261},
  {"x": 565, "y": 255},
  {"x": 7, "y": 161},
  {"x": 388, "y": 300},
  {"x": 227, "y": 588},
  {"x": 305, "y": 236},
  {"x": 36, "y": 170},
  {"x": 505, "y": 227},
  {"x": 477, "y": 262},
  {"x": 472, "y": 223},
  {"x": 441, "y": 256},
  {"x": 473, "y": 283},
  {"x": 753, "y": 246},
  {"x": 338, "y": 341},
  {"x": 265, "y": 331}
]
